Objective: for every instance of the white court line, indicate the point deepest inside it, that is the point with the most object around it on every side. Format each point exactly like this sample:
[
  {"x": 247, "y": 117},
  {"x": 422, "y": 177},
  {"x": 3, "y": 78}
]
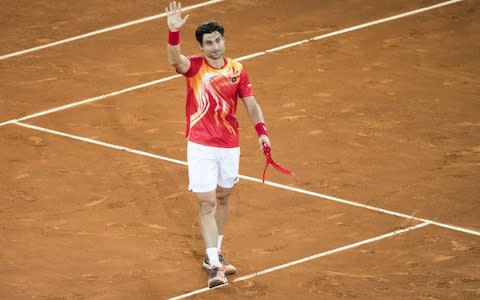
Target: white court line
[
  {"x": 309, "y": 258},
  {"x": 199, "y": 291},
  {"x": 112, "y": 28},
  {"x": 112, "y": 146},
  {"x": 277, "y": 185},
  {"x": 256, "y": 54},
  {"x": 406, "y": 14},
  {"x": 93, "y": 99},
  {"x": 369, "y": 207}
]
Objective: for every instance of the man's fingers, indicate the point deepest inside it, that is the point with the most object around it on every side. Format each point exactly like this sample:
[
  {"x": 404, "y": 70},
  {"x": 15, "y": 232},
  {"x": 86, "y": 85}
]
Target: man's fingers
[
  {"x": 174, "y": 8},
  {"x": 264, "y": 139}
]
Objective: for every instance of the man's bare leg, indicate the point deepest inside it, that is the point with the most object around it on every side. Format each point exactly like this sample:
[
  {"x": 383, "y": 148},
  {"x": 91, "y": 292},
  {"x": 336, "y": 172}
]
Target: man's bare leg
[
  {"x": 221, "y": 215},
  {"x": 207, "y": 222},
  {"x": 209, "y": 229}
]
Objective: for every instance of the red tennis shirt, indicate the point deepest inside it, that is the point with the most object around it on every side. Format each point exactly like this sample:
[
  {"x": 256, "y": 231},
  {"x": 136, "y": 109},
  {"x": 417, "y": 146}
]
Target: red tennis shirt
[{"x": 211, "y": 106}]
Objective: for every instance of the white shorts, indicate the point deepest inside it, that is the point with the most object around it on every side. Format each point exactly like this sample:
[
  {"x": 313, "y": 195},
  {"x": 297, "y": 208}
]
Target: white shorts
[{"x": 209, "y": 167}]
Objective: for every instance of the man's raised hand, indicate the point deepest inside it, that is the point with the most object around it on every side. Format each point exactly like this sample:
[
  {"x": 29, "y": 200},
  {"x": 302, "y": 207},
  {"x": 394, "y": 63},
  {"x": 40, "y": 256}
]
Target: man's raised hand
[{"x": 174, "y": 16}]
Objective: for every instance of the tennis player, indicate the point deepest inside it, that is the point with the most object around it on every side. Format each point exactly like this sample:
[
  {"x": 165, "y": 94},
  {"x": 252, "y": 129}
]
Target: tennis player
[{"x": 214, "y": 84}]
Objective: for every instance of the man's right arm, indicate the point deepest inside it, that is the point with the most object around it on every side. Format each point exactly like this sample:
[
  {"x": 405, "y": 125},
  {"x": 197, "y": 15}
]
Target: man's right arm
[
  {"x": 174, "y": 20},
  {"x": 180, "y": 62}
]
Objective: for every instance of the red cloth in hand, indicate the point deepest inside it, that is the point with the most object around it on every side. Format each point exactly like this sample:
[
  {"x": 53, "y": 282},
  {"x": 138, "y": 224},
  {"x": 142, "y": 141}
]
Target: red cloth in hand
[{"x": 267, "y": 151}]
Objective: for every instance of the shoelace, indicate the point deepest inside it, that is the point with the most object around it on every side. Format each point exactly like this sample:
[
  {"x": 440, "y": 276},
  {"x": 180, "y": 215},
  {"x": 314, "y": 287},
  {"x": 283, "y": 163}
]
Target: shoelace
[
  {"x": 222, "y": 260},
  {"x": 269, "y": 161}
]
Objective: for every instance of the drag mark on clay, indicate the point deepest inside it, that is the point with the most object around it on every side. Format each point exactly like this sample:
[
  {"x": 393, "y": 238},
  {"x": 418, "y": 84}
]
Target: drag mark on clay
[{"x": 96, "y": 202}]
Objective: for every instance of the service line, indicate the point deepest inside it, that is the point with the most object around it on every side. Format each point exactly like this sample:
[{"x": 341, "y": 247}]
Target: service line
[
  {"x": 100, "y": 31},
  {"x": 309, "y": 258},
  {"x": 253, "y": 179},
  {"x": 256, "y": 54}
]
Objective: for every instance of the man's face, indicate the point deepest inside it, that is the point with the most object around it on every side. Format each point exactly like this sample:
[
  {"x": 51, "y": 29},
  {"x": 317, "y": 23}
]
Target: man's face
[{"x": 213, "y": 45}]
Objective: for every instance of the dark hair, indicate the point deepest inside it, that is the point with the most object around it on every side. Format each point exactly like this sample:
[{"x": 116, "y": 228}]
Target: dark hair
[{"x": 208, "y": 27}]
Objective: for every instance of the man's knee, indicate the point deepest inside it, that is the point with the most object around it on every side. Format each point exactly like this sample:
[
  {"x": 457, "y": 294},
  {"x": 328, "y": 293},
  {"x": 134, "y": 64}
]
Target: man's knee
[
  {"x": 207, "y": 203},
  {"x": 223, "y": 195}
]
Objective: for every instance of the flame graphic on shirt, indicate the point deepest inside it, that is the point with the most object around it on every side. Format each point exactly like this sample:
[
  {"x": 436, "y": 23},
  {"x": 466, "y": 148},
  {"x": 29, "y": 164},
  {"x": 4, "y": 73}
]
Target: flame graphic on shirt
[{"x": 210, "y": 87}]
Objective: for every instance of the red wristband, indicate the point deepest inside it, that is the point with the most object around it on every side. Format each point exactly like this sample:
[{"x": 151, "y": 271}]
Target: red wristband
[
  {"x": 261, "y": 128},
  {"x": 173, "y": 38}
]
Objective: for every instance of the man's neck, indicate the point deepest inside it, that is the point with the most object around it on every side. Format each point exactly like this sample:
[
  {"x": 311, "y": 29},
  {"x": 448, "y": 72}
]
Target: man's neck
[{"x": 216, "y": 63}]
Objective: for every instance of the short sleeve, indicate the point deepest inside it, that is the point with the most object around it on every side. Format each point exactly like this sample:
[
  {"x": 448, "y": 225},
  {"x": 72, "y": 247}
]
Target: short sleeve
[
  {"x": 245, "y": 88},
  {"x": 195, "y": 64}
]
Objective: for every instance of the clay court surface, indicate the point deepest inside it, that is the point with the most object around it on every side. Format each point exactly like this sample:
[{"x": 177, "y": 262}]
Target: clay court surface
[{"x": 386, "y": 117}]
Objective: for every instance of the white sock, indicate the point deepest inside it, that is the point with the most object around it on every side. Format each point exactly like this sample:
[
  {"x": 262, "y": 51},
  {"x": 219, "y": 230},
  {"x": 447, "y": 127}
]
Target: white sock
[
  {"x": 212, "y": 254},
  {"x": 219, "y": 243}
]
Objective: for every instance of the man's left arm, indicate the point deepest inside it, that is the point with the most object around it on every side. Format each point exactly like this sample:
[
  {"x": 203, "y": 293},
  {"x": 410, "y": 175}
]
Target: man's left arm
[{"x": 256, "y": 117}]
